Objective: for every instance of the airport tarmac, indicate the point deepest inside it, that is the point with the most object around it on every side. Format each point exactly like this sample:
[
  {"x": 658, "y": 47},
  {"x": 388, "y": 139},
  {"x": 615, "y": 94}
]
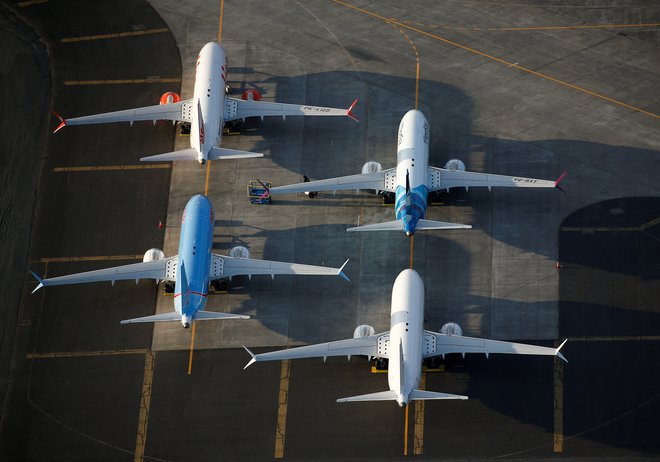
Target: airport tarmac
[{"x": 503, "y": 91}]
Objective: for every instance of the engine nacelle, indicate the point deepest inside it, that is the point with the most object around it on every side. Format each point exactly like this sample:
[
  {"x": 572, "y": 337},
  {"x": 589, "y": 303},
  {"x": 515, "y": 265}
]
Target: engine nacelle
[
  {"x": 363, "y": 330},
  {"x": 371, "y": 167},
  {"x": 153, "y": 255},
  {"x": 455, "y": 165},
  {"x": 251, "y": 95},
  {"x": 239, "y": 252},
  {"x": 452, "y": 329},
  {"x": 169, "y": 98}
]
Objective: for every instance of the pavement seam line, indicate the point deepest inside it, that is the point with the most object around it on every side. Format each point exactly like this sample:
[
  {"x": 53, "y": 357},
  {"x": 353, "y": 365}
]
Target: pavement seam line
[
  {"x": 145, "y": 403},
  {"x": 282, "y": 405},
  {"x": 558, "y": 437},
  {"x": 153, "y": 79},
  {"x": 86, "y": 38},
  {"x": 106, "y": 168},
  {"x": 418, "y": 436},
  {"x": 79, "y": 354}
]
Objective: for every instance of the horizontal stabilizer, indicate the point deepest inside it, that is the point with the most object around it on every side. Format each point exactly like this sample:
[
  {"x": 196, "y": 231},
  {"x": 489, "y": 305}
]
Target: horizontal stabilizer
[
  {"x": 430, "y": 224},
  {"x": 206, "y": 315},
  {"x": 184, "y": 154},
  {"x": 171, "y": 316},
  {"x": 423, "y": 394},
  {"x": 396, "y": 225},
  {"x": 223, "y": 153},
  {"x": 389, "y": 395}
]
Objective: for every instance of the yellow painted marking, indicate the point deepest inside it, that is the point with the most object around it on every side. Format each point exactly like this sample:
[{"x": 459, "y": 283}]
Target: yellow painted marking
[
  {"x": 107, "y": 168},
  {"x": 412, "y": 249},
  {"x": 145, "y": 403},
  {"x": 91, "y": 258},
  {"x": 558, "y": 438},
  {"x": 418, "y": 437},
  {"x": 208, "y": 174},
  {"x": 135, "y": 33},
  {"x": 612, "y": 229},
  {"x": 282, "y": 405},
  {"x": 192, "y": 348},
  {"x": 222, "y": 13},
  {"x": 599, "y": 26},
  {"x": 82, "y": 354},
  {"x": 154, "y": 79},
  {"x": 405, "y": 432},
  {"x": 417, "y": 86},
  {"x": 31, "y": 2},
  {"x": 412, "y": 44},
  {"x": 499, "y": 60}
]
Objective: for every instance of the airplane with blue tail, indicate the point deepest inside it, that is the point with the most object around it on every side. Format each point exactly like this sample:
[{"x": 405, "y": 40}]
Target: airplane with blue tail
[
  {"x": 413, "y": 179},
  {"x": 192, "y": 270}
]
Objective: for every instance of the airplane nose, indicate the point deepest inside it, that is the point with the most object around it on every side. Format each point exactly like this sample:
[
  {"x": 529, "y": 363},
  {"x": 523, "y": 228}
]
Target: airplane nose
[
  {"x": 409, "y": 233},
  {"x": 186, "y": 325},
  {"x": 202, "y": 161}
]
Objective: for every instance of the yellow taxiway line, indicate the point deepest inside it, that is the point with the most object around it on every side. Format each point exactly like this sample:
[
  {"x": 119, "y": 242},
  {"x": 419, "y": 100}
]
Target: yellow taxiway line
[
  {"x": 152, "y": 79},
  {"x": 282, "y": 406},
  {"x": 586, "y": 26},
  {"x": 108, "y": 168},
  {"x": 509, "y": 65},
  {"x": 405, "y": 431},
  {"x": 192, "y": 347},
  {"x": 87, "y": 38},
  {"x": 82, "y": 354}
]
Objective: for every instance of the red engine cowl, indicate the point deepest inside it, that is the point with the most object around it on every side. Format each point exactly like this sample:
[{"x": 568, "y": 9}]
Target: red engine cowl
[
  {"x": 251, "y": 95},
  {"x": 169, "y": 98}
]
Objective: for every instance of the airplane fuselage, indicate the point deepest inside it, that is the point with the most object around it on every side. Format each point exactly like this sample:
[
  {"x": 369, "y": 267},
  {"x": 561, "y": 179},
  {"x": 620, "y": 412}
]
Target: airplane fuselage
[
  {"x": 406, "y": 335},
  {"x": 412, "y": 170},
  {"x": 195, "y": 257},
  {"x": 209, "y": 100}
]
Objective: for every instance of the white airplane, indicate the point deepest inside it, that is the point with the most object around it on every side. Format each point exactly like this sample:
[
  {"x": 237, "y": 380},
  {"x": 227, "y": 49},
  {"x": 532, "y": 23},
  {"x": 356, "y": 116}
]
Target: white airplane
[
  {"x": 207, "y": 111},
  {"x": 406, "y": 345},
  {"x": 192, "y": 270},
  {"x": 412, "y": 180}
]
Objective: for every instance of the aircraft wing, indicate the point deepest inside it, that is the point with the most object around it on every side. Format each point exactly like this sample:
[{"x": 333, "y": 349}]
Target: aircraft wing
[
  {"x": 240, "y": 109},
  {"x": 366, "y": 346},
  {"x": 440, "y": 178},
  {"x": 384, "y": 180},
  {"x": 164, "y": 269},
  {"x": 226, "y": 267},
  {"x": 180, "y": 111},
  {"x": 436, "y": 344}
]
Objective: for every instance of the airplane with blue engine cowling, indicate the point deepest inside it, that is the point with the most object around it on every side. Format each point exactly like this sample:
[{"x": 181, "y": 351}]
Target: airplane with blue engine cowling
[
  {"x": 192, "y": 270},
  {"x": 413, "y": 179}
]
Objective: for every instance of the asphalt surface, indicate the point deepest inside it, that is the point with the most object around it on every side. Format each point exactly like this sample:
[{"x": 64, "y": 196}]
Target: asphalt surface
[{"x": 498, "y": 280}]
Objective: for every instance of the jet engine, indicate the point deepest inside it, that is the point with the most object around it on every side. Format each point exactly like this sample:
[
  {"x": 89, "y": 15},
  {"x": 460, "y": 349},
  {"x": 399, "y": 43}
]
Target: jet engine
[
  {"x": 363, "y": 330},
  {"x": 371, "y": 167},
  {"x": 452, "y": 329},
  {"x": 239, "y": 252},
  {"x": 153, "y": 255},
  {"x": 169, "y": 98},
  {"x": 455, "y": 165},
  {"x": 251, "y": 95}
]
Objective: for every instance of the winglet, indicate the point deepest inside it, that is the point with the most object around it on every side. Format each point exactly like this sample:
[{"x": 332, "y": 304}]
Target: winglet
[
  {"x": 341, "y": 271},
  {"x": 41, "y": 282},
  {"x": 62, "y": 122},
  {"x": 253, "y": 360},
  {"x": 349, "y": 112},
  {"x": 266, "y": 188},
  {"x": 561, "y": 356},
  {"x": 561, "y": 177}
]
